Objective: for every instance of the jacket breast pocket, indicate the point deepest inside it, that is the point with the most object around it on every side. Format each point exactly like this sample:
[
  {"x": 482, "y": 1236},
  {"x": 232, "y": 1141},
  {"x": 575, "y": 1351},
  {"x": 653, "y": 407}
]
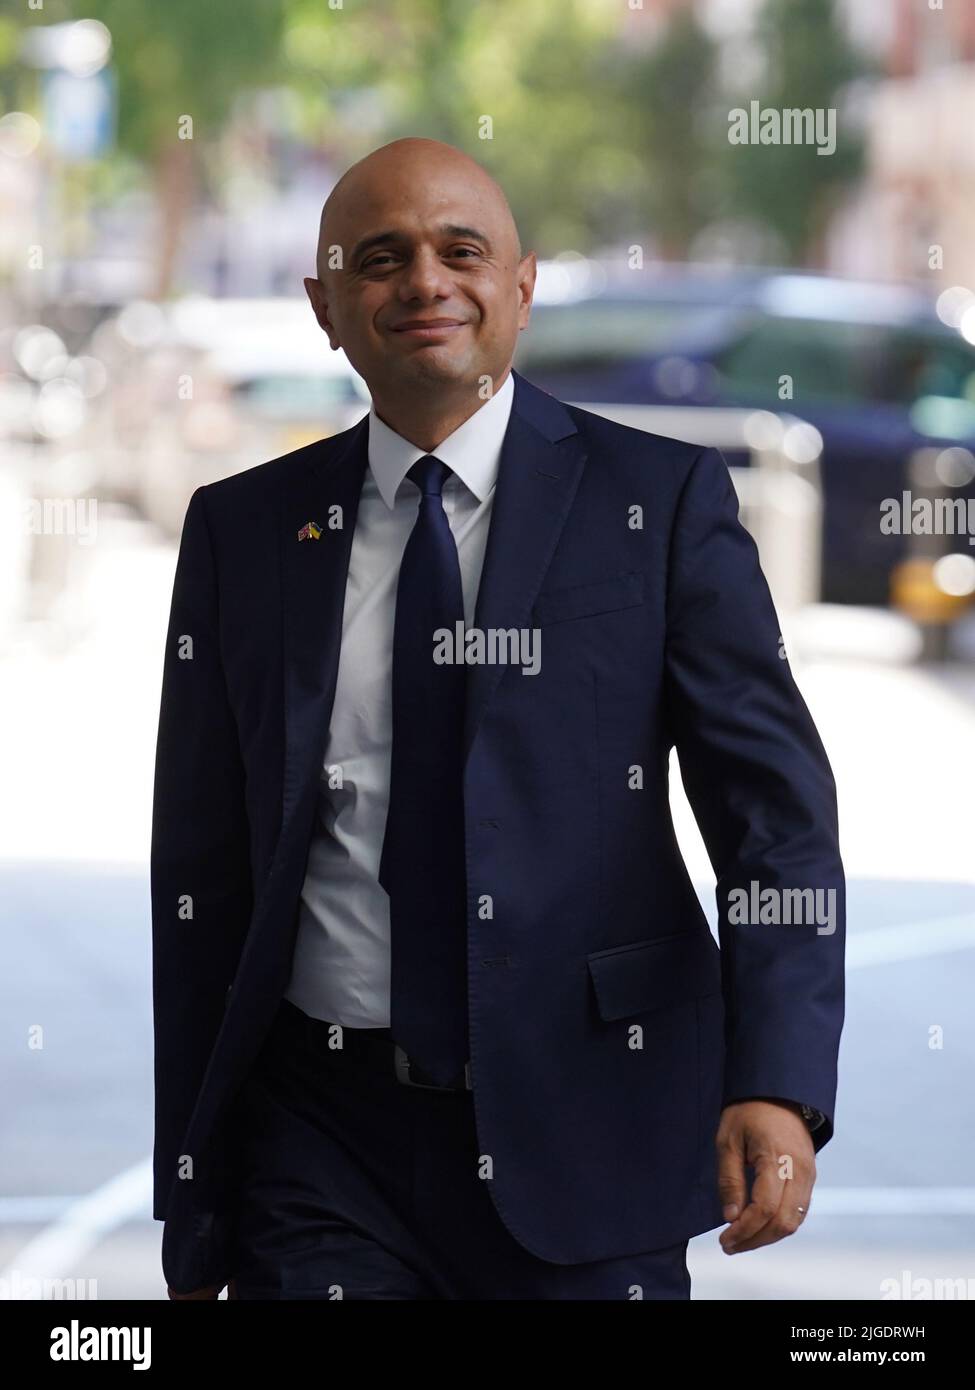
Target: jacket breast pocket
[
  {"x": 646, "y": 975},
  {"x": 623, "y": 590}
]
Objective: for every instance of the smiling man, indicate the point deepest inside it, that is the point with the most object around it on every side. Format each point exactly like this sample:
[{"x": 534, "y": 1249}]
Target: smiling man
[
  {"x": 437, "y": 1011},
  {"x": 430, "y": 287}
]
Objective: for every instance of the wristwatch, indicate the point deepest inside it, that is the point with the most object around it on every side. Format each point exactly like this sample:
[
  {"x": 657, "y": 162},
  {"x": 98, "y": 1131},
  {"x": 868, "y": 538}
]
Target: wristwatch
[{"x": 813, "y": 1117}]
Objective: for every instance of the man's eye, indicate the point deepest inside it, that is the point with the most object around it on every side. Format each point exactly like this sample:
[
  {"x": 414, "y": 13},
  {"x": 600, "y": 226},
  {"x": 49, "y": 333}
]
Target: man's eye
[{"x": 376, "y": 262}]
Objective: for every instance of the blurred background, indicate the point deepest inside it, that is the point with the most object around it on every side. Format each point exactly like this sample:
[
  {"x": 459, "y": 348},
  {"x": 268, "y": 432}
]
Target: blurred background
[{"x": 808, "y": 307}]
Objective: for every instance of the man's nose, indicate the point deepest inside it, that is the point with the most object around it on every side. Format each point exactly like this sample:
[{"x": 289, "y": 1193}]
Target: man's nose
[{"x": 425, "y": 277}]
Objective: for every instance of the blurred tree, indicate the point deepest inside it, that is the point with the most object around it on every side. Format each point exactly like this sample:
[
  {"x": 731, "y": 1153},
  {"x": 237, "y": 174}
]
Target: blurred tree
[
  {"x": 806, "y": 61},
  {"x": 522, "y": 85},
  {"x": 597, "y": 143},
  {"x": 666, "y": 104},
  {"x": 179, "y": 59}
]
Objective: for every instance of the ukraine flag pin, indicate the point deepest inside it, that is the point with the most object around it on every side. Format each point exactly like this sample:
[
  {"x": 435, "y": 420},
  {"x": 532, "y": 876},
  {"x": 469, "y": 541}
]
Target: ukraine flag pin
[{"x": 310, "y": 531}]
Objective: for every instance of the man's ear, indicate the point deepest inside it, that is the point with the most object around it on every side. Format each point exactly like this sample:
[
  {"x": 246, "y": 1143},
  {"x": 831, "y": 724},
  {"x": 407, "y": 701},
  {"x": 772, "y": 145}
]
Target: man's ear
[
  {"x": 527, "y": 272},
  {"x": 313, "y": 288}
]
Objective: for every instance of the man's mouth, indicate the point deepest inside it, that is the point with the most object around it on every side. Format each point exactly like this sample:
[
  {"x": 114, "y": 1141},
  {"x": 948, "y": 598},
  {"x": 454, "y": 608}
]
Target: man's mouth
[{"x": 422, "y": 329}]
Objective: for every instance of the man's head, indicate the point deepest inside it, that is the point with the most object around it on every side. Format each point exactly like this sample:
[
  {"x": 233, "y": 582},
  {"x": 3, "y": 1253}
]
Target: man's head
[{"x": 424, "y": 234}]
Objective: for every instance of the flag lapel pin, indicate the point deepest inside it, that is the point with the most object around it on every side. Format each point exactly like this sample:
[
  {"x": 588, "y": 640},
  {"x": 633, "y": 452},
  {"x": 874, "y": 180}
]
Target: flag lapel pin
[{"x": 310, "y": 531}]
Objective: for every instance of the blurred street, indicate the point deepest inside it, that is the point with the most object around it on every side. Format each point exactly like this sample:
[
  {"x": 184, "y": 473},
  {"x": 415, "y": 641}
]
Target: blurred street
[
  {"x": 698, "y": 271},
  {"x": 896, "y": 1188}
]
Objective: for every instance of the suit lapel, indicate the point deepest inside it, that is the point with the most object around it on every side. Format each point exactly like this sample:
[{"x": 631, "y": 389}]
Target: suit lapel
[
  {"x": 314, "y": 576},
  {"x": 539, "y": 470}
]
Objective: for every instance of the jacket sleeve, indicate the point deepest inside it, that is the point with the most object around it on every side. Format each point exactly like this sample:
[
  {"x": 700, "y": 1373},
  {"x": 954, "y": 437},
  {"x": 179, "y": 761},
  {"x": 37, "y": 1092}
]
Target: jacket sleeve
[
  {"x": 762, "y": 791},
  {"x": 199, "y": 860}
]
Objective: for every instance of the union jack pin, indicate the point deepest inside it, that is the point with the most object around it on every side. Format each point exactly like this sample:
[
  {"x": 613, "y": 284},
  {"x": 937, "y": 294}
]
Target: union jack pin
[{"x": 310, "y": 531}]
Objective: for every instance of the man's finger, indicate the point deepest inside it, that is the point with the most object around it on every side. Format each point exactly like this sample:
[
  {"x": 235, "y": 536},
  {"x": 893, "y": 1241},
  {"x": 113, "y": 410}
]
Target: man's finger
[
  {"x": 796, "y": 1193},
  {"x": 765, "y": 1199},
  {"x": 732, "y": 1188}
]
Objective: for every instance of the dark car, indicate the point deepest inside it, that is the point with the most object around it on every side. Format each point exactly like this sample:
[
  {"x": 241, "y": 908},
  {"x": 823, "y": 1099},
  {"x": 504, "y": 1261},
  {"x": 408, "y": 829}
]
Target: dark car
[{"x": 871, "y": 366}]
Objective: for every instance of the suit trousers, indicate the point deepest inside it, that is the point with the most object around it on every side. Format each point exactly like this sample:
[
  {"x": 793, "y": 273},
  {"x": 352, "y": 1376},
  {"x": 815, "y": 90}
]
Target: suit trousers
[{"x": 351, "y": 1185}]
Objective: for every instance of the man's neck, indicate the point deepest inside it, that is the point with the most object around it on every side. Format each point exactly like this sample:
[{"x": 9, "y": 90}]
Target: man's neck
[{"x": 427, "y": 423}]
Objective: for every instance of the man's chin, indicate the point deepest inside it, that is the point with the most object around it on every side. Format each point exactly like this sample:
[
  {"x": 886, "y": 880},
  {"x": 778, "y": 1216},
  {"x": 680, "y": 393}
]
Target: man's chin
[{"x": 427, "y": 364}]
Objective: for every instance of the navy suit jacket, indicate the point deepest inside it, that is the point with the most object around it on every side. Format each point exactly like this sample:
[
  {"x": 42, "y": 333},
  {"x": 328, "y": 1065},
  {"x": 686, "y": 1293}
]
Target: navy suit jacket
[{"x": 607, "y": 1028}]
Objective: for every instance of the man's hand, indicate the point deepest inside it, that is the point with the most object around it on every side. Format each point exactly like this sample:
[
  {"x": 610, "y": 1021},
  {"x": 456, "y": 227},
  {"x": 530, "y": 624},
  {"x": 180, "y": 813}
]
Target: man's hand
[
  {"x": 213, "y": 1291},
  {"x": 773, "y": 1137}
]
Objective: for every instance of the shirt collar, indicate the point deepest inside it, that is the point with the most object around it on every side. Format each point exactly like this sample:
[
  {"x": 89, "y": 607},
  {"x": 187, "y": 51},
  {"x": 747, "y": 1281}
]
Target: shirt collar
[{"x": 473, "y": 451}]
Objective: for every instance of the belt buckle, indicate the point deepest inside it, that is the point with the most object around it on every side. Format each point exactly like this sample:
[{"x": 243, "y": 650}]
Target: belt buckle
[{"x": 402, "y": 1064}]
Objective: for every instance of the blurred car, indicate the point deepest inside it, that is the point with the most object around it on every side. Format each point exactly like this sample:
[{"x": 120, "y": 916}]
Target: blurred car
[
  {"x": 871, "y": 366},
  {"x": 205, "y": 388}
]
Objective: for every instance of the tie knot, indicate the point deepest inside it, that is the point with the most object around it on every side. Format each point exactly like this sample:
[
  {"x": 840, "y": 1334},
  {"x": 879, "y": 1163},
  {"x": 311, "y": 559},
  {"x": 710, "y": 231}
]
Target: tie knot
[{"x": 429, "y": 473}]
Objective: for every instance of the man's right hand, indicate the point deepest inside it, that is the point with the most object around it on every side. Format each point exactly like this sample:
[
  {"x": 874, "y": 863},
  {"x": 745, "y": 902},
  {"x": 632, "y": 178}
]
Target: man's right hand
[{"x": 213, "y": 1291}]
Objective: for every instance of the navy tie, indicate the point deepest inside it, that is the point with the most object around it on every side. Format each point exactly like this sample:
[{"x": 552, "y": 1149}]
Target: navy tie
[{"x": 422, "y": 867}]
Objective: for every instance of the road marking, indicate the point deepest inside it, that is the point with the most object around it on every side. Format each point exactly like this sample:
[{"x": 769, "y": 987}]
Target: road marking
[
  {"x": 908, "y": 941},
  {"x": 84, "y": 1224},
  {"x": 27, "y": 1211},
  {"x": 893, "y": 1201},
  {"x": 78, "y": 1224},
  {"x": 911, "y": 941}
]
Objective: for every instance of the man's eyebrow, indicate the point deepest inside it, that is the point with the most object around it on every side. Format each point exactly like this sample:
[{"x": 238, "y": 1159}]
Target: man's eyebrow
[{"x": 394, "y": 238}]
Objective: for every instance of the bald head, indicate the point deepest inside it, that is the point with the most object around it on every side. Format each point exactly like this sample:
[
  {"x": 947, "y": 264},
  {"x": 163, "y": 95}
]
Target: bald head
[
  {"x": 421, "y": 279},
  {"x": 410, "y": 163}
]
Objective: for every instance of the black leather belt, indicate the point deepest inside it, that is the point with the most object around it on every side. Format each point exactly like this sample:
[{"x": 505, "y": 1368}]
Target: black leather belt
[{"x": 375, "y": 1045}]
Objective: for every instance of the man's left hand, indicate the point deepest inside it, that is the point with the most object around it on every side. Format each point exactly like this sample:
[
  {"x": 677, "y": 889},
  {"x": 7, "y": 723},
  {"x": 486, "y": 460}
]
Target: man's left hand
[{"x": 764, "y": 1134}]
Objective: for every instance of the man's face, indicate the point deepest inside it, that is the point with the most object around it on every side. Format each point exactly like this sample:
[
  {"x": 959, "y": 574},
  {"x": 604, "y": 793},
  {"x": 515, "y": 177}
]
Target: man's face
[{"x": 431, "y": 292}]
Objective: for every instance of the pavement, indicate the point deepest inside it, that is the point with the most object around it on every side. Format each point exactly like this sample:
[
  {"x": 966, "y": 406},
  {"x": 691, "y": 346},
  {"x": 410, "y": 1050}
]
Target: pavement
[{"x": 79, "y": 699}]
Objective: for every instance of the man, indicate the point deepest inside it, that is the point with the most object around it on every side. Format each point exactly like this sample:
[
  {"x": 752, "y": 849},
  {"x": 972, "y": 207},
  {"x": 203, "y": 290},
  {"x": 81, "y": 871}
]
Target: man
[{"x": 437, "y": 1011}]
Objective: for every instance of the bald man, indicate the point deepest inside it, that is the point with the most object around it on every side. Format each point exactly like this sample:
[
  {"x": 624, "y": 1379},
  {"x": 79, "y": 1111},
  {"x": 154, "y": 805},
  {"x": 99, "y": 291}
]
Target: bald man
[{"x": 437, "y": 1011}]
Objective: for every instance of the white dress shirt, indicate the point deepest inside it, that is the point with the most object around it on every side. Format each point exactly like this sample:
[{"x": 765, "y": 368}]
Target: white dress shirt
[{"x": 341, "y": 968}]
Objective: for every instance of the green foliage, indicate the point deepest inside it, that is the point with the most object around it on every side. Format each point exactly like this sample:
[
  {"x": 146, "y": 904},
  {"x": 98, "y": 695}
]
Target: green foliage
[
  {"x": 807, "y": 62},
  {"x": 595, "y": 138},
  {"x": 670, "y": 124},
  {"x": 185, "y": 57}
]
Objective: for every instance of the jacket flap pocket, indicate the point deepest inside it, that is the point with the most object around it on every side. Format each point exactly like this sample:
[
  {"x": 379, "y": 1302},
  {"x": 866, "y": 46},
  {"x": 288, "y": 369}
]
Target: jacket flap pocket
[
  {"x": 653, "y": 974},
  {"x": 584, "y": 600}
]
